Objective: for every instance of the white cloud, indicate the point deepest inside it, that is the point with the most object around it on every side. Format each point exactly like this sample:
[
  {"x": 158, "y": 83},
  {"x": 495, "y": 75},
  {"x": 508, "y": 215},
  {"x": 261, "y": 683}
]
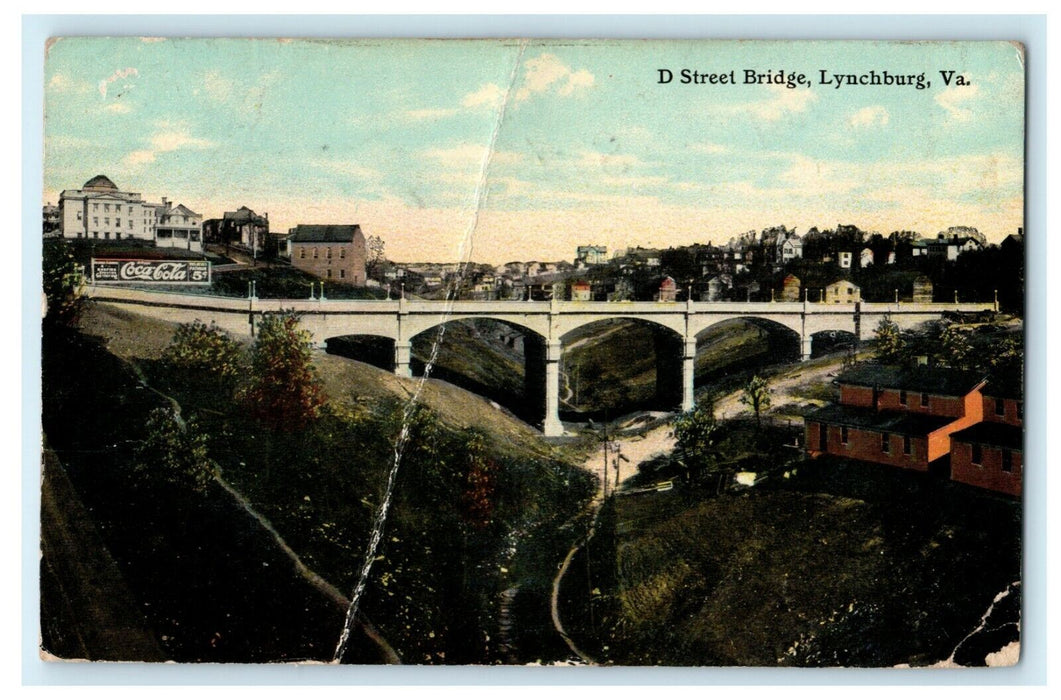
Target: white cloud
[
  {"x": 593, "y": 159},
  {"x": 418, "y": 115},
  {"x": 952, "y": 100},
  {"x": 709, "y": 148},
  {"x": 488, "y": 95},
  {"x": 118, "y": 108},
  {"x": 120, "y": 74},
  {"x": 781, "y": 103},
  {"x": 874, "y": 115},
  {"x": 169, "y": 137},
  {"x": 547, "y": 71},
  {"x": 139, "y": 158},
  {"x": 468, "y": 155},
  {"x": 217, "y": 86}
]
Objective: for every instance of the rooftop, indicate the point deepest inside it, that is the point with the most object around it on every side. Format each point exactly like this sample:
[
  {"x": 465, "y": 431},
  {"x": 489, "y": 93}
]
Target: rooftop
[
  {"x": 994, "y": 434},
  {"x": 937, "y": 380},
  {"x": 901, "y": 423},
  {"x": 100, "y": 182},
  {"x": 325, "y": 233}
]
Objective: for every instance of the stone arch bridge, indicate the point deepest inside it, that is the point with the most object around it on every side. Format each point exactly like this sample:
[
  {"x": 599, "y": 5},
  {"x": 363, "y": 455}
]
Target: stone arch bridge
[{"x": 545, "y": 324}]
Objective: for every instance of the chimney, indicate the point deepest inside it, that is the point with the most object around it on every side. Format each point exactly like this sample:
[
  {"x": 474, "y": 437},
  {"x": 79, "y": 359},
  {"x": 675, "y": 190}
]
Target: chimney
[{"x": 165, "y": 202}]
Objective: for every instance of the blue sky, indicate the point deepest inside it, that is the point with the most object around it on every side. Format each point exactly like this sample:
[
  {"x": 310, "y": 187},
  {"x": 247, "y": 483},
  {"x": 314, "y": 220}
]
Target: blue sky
[{"x": 395, "y": 136}]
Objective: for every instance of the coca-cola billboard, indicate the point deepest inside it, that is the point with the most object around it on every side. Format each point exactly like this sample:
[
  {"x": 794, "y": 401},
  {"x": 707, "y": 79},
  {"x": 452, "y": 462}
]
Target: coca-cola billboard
[{"x": 151, "y": 271}]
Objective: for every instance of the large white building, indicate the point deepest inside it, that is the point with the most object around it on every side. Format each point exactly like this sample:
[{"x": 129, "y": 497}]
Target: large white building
[{"x": 99, "y": 210}]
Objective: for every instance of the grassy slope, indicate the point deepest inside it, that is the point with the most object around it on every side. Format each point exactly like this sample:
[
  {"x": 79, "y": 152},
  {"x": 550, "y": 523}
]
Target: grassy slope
[{"x": 912, "y": 564}]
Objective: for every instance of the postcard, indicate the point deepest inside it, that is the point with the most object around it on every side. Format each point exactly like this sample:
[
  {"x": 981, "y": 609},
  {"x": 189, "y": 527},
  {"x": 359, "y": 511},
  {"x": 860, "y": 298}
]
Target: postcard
[{"x": 533, "y": 352}]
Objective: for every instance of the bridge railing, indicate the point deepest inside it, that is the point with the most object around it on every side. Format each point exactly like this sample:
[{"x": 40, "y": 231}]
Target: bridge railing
[{"x": 180, "y": 297}]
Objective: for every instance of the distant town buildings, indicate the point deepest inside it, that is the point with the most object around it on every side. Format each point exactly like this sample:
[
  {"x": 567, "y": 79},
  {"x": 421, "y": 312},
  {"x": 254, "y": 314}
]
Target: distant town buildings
[
  {"x": 842, "y": 292},
  {"x": 591, "y": 254},
  {"x": 100, "y": 211},
  {"x": 243, "y": 228},
  {"x": 330, "y": 252}
]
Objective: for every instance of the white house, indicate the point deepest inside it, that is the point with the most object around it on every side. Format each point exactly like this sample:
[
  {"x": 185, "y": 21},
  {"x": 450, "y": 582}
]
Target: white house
[{"x": 99, "y": 210}]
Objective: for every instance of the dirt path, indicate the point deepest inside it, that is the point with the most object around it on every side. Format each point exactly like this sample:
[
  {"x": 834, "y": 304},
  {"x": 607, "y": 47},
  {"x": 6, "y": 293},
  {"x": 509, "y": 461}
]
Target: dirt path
[{"x": 785, "y": 385}]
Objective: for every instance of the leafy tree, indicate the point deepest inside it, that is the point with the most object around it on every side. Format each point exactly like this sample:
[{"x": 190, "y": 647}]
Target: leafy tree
[
  {"x": 198, "y": 350},
  {"x": 63, "y": 283},
  {"x": 756, "y": 394},
  {"x": 891, "y": 347},
  {"x": 285, "y": 393},
  {"x": 174, "y": 454},
  {"x": 957, "y": 348},
  {"x": 376, "y": 255},
  {"x": 697, "y": 433}
]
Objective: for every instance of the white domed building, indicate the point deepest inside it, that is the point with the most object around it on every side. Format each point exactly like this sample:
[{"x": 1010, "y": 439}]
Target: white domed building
[{"x": 99, "y": 210}]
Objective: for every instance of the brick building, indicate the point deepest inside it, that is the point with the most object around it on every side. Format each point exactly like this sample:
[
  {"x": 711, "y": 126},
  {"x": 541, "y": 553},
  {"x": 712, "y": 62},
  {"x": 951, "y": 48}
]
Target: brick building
[
  {"x": 940, "y": 420},
  {"x": 990, "y": 454},
  {"x": 330, "y": 252},
  {"x": 899, "y": 417}
]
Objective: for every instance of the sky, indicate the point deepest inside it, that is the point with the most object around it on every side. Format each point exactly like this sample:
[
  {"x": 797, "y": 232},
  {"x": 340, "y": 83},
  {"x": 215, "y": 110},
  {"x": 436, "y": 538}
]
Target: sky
[{"x": 508, "y": 150}]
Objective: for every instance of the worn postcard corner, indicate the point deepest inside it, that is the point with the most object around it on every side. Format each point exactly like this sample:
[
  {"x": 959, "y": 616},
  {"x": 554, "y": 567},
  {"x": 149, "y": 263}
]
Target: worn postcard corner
[{"x": 614, "y": 353}]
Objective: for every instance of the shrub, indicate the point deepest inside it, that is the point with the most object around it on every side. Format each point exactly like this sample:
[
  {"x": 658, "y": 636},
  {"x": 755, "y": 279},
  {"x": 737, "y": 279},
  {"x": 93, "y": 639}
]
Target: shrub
[
  {"x": 173, "y": 454},
  {"x": 198, "y": 349},
  {"x": 285, "y": 393}
]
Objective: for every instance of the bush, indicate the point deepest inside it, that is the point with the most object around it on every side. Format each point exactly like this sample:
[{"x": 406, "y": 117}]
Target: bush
[
  {"x": 285, "y": 393},
  {"x": 173, "y": 454},
  {"x": 201, "y": 350}
]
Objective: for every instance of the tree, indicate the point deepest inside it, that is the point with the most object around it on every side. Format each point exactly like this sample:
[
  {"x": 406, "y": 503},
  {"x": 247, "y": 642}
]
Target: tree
[
  {"x": 198, "y": 350},
  {"x": 956, "y": 348},
  {"x": 696, "y": 433},
  {"x": 891, "y": 347},
  {"x": 63, "y": 282},
  {"x": 376, "y": 248},
  {"x": 174, "y": 454},
  {"x": 756, "y": 394},
  {"x": 285, "y": 392}
]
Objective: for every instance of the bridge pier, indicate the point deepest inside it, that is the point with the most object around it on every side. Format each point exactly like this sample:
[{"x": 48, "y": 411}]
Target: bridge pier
[
  {"x": 403, "y": 351},
  {"x": 806, "y": 342},
  {"x": 551, "y": 425},
  {"x": 689, "y": 376}
]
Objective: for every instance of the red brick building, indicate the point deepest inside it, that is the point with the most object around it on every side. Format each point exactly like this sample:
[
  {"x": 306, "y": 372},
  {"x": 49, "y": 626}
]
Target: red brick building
[
  {"x": 331, "y": 252},
  {"x": 924, "y": 419},
  {"x": 990, "y": 454}
]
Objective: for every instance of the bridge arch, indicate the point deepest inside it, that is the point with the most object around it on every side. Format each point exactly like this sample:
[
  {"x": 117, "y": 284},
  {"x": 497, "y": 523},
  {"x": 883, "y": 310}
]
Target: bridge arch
[
  {"x": 739, "y": 343},
  {"x": 497, "y": 358},
  {"x": 649, "y": 353}
]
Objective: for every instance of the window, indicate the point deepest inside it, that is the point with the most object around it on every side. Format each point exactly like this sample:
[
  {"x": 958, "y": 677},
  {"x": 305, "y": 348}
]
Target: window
[
  {"x": 908, "y": 447},
  {"x": 314, "y": 252},
  {"x": 79, "y": 216},
  {"x": 118, "y": 235},
  {"x": 329, "y": 273},
  {"x": 978, "y": 455},
  {"x": 95, "y": 234},
  {"x": 106, "y": 207},
  {"x": 329, "y": 252},
  {"x": 95, "y": 221},
  {"x": 342, "y": 253},
  {"x": 301, "y": 252},
  {"x": 342, "y": 274},
  {"x": 106, "y": 221},
  {"x": 1007, "y": 461},
  {"x": 117, "y": 222},
  {"x": 885, "y": 443},
  {"x": 95, "y": 206},
  {"x": 902, "y": 397},
  {"x": 924, "y": 400},
  {"x": 1000, "y": 407},
  {"x": 843, "y": 434},
  {"x": 850, "y": 291}
]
